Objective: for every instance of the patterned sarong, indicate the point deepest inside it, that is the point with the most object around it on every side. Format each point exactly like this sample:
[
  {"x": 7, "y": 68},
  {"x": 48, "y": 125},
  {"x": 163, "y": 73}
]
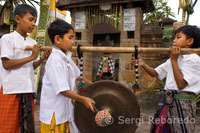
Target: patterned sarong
[
  {"x": 27, "y": 108},
  {"x": 181, "y": 113},
  {"x": 10, "y": 113}
]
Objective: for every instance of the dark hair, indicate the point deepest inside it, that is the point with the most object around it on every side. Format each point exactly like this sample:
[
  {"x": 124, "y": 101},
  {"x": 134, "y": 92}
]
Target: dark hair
[
  {"x": 58, "y": 27},
  {"x": 190, "y": 32},
  {"x": 23, "y": 9}
]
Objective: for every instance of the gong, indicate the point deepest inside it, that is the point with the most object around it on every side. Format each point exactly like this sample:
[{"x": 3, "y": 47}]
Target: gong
[{"x": 111, "y": 98}]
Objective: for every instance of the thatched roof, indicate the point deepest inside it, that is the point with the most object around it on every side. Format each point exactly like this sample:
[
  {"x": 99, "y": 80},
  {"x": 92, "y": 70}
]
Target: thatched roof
[{"x": 146, "y": 5}]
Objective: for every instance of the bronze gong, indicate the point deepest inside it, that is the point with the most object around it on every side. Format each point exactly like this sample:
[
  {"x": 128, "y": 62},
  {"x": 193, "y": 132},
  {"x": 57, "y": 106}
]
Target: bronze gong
[{"x": 112, "y": 96}]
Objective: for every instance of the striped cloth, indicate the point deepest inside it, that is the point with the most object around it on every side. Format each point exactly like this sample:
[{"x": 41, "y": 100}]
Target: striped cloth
[
  {"x": 110, "y": 68},
  {"x": 10, "y": 113}
]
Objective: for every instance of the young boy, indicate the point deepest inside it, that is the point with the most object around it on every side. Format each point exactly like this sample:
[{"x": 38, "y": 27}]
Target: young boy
[
  {"x": 1, "y": 67},
  {"x": 16, "y": 99},
  {"x": 58, "y": 88},
  {"x": 1, "y": 70},
  {"x": 182, "y": 82}
]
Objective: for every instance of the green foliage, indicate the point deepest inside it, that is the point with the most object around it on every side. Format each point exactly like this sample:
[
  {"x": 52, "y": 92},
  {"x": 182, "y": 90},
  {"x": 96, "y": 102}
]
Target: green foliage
[
  {"x": 12, "y": 3},
  {"x": 162, "y": 11},
  {"x": 167, "y": 34}
]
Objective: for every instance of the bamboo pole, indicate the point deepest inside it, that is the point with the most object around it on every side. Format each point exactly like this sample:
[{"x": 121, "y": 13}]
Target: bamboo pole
[{"x": 123, "y": 49}]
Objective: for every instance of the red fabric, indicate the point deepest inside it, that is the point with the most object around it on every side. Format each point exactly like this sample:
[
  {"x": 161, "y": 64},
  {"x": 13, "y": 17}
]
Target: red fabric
[
  {"x": 108, "y": 69},
  {"x": 9, "y": 112},
  {"x": 101, "y": 73},
  {"x": 163, "y": 126}
]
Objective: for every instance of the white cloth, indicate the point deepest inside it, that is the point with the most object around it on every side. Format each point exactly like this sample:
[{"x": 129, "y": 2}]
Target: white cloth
[
  {"x": 189, "y": 65},
  {"x": 1, "y": 67},
  {"x": 19, "y": 80},
  {"x": 60, "y": 75},
  {"x": 1, "y": 71}
]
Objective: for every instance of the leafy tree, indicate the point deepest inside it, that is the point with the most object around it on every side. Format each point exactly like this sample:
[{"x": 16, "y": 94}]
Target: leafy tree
[
  {"x": 162, "y": 11},
  {"x": 9, "y": 6}
]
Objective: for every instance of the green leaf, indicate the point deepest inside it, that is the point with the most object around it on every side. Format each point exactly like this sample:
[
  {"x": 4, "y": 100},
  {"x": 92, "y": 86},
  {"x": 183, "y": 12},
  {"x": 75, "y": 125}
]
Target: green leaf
[{"x": 162, "y": 11}]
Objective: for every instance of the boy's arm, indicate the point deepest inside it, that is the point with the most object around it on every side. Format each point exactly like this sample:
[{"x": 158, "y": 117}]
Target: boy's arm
[
  {"x": 37, "y": 63},
  {"x": 151, "y": 71},
  {"x": 13, "y": 64},
  {"x": 181, "y": 83},
  {"x": 85, "y": 100},
  {"x": 175, "y": 52},
  {"x": 44, "y": 57}
]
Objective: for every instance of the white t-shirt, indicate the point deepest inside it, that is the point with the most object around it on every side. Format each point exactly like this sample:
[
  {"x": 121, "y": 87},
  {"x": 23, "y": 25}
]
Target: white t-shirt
[
  {"x": 60, "y": 75},
  {"x": 19, "y": 80},
  {"x": 189, "y": 65}
]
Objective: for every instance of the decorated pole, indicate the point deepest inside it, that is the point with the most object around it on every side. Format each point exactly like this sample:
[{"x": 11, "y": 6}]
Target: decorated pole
[{"x": 124, "y": 49}]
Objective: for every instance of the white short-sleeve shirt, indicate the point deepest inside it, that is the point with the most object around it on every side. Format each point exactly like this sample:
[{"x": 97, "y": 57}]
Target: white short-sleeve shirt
[
  {"x": 1, "y": 71},
  {"x": 60, "y": 75},
  {"x": 19, "y": 80},
  {"x": 189, "y": 65}
]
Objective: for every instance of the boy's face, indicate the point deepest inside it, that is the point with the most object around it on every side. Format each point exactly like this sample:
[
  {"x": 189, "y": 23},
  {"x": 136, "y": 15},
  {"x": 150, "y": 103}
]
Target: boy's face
[
  {"x": 26, "y": 23},
  {"x": 181, "y": 40},
  {"x": 65, "y": 43}
]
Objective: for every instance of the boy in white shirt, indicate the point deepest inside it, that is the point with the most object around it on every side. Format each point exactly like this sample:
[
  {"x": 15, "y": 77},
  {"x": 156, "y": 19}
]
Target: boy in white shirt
[
  {"x": 1, "y": 67},
  {"x": 58, "y": 87},
  {"x": 16, "y": 95},
  {"x": 1, "y": 71},
  {"x": 182, "y": 83}
]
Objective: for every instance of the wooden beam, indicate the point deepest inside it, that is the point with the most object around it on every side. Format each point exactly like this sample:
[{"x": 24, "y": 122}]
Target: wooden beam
[{"x": 124, "y": 49}]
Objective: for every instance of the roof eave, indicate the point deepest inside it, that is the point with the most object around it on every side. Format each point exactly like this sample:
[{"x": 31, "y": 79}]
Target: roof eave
[{"x": 62, "y": 6}]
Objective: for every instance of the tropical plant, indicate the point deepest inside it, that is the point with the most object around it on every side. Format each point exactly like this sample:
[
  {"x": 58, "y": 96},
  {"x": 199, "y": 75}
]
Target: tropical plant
[
  {"x": 167, "y": 34},
  {"x": 162, "y": 11},
  {"x": 9, "y": 5},
  {"x": 187, "y": 7}
]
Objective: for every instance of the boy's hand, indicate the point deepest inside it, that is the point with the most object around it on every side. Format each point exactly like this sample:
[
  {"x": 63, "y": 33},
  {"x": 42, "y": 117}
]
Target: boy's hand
[
  {"x": 88, "y": 103},
  {"x": 175, "y": 52},
  {"x": 45, "y": 55},
  {"x": 35, "y": 51},
  {"x": 137, "y": 61}
]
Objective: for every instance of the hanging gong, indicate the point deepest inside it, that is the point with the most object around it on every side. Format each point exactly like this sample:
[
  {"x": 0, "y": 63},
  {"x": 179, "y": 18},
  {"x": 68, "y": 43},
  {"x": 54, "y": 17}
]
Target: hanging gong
[{"x": 117, "y": 109}]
